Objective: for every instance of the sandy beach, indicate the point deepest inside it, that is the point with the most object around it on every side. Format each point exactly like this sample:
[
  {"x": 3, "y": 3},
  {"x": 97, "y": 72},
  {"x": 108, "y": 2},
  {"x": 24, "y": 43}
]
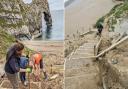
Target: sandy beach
[{"x": 80, "y": 15}]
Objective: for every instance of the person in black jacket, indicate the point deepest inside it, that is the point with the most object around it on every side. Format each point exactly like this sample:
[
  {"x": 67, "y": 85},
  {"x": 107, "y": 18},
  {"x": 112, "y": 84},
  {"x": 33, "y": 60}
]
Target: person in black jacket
[
  {"x": 12, "y": 65},
  {"x": 100, "y": 28}
]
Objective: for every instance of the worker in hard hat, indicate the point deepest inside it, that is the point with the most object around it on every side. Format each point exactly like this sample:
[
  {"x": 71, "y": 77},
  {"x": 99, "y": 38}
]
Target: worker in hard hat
[{"x": 38, "y": 65}]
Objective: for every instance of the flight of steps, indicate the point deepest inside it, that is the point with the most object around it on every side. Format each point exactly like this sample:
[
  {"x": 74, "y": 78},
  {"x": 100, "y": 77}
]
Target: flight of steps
[{"x": 80, "y": 72}]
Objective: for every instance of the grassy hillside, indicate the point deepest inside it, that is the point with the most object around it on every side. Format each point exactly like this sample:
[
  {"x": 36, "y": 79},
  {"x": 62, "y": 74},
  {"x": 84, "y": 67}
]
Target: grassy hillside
[
  {"x": 117, "y": 12},
  {"x": 5, "y": 41}
]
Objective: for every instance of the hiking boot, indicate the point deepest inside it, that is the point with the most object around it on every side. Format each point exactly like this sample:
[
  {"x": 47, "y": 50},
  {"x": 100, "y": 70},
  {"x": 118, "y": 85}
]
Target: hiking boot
[{"x": 45, "y": 76}]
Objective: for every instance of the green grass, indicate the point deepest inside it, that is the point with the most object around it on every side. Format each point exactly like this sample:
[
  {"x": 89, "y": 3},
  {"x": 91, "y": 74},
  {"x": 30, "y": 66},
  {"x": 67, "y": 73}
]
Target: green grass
[
  {"x": 118, "y": 11},
  {"x": 113, "y": 10},
  {"x": 101, "y": 20},
  {"x": 2, "y": 21},
  {"x": 5, "y": 41}
]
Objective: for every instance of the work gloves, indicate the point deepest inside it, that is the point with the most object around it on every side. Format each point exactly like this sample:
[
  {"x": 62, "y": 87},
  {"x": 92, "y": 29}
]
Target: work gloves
[{"x": 29, "y": 70}]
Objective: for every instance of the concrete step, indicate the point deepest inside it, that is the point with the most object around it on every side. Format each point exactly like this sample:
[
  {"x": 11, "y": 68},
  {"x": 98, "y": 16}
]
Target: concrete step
[
  {"x": 81, "y": 71},
  {"x": 76, "y": 63},
  {"x": 87, "y": 81},
  {"x": 85, "y": 51},
  {"x": 86, "y": 47},
  {"x": 91, "y": 44},
  {"x": 78, "y": 55}
]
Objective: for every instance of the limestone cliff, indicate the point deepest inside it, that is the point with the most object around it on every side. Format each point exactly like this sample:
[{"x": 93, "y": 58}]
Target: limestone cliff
[
  {"x": 20, "y": 19},
  {"x": 33, "y": 14},
  {"x": 11, "y": 18}
]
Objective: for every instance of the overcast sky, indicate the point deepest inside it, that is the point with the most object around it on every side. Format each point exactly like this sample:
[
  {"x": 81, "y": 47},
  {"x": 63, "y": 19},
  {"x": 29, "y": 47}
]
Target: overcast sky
[
  {"x": 27, "y": 1},
  {"x": 54, "y": 4}
]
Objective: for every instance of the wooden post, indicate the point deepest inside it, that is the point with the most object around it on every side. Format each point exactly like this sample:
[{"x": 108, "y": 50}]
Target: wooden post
[
  {"x": 28, "y": 73},
  {"x": 51, "y": 68},
  {"x": 29, "y": 81},
  {"x": 94, "y": 50}
]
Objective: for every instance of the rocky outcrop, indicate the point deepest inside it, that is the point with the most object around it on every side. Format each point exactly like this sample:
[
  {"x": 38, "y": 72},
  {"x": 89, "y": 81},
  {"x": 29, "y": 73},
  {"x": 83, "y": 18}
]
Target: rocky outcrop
[
  {"x": 33, "y": 13},
  {"x": 20, "y": 19},
  {"x": 11, "y": 18}
]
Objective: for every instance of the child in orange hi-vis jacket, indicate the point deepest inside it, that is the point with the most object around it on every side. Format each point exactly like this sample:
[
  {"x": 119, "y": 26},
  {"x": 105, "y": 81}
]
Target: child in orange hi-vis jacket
[{"x": 38, "y": 65}]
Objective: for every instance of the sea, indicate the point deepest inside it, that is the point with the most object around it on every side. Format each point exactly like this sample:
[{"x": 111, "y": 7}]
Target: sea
[{"x": 57, "y": 13}]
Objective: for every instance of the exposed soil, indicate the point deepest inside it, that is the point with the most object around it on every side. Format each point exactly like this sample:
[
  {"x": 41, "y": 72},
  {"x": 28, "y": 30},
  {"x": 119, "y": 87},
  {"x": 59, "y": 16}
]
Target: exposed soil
[
  {"x": 113, "y": 66},
  {"x": 51, "y": 57},
  {"x": 6, "y": 84}
]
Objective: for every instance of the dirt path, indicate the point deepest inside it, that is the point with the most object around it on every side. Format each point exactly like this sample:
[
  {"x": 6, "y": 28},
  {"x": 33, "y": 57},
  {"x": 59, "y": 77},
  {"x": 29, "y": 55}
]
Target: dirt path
[
  {"x": 82, "y": 14},
  {"x": 80, "y": 72}
]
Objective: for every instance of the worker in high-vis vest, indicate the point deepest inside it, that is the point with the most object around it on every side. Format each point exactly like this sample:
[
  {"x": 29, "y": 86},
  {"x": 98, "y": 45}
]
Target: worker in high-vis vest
[{"x": 38, "y": 66}]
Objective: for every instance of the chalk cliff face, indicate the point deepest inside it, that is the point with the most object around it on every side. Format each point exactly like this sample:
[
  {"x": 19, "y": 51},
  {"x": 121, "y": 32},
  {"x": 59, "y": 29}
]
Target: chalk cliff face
[
  {"x": 18, "y": 18},
  {"x": 33, "y": 13},
  {"x": 11, "y": 18}
]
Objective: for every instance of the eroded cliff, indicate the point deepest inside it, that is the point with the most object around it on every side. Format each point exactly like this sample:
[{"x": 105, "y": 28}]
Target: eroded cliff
[{"x": 23, "y": 20}]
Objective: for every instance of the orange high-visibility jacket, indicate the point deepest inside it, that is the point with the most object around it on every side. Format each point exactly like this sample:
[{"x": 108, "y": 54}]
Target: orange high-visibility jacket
[{"x": 37, "y": 58}]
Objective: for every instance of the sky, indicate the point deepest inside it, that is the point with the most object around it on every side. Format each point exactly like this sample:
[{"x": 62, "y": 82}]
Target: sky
[
  {"x": 65, "y": 0},
  {"x": 54, "y": 4},
  {"x": 27, "y": 1}
]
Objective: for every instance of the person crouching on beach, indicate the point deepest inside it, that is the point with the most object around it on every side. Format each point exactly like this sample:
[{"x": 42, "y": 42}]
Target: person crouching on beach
[
  {"x": 38, "y": 66},
  {"x": 12, "y": 65}
]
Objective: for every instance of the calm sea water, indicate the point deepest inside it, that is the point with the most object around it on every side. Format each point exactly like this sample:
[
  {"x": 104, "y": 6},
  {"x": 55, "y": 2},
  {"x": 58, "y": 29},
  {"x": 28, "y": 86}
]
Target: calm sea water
[
  {"x": 57, "y": 12},
  {"x": 56, "y": 4},
  {"x": 57, "y": 31}
]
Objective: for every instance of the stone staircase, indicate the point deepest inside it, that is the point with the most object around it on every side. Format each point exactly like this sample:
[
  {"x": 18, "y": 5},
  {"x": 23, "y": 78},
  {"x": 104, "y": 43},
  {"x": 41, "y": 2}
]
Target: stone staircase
[{"x": 81, "y": 72}]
